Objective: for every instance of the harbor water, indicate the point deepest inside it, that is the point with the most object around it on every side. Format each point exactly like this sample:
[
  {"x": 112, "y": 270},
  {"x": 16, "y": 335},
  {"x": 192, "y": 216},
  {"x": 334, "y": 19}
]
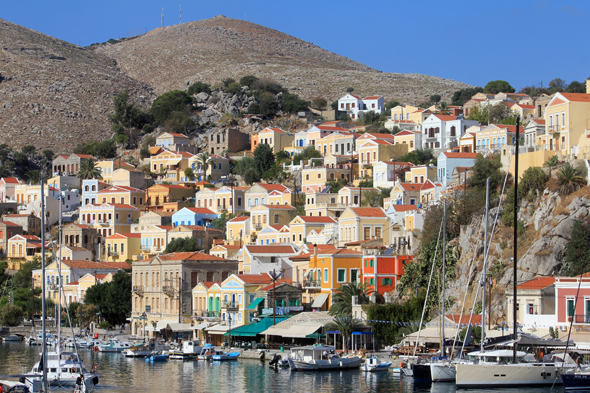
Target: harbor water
[{"x": 120, "y": 374}]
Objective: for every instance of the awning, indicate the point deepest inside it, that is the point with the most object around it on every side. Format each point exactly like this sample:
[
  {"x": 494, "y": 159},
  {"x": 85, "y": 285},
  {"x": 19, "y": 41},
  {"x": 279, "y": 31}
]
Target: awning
[
  {"x": 180, "y": 327},
  {"x": 173, "y": 161},
  {"x": 164, "y": 324},
  {"x": 254, "y": 329},
  {"x": 319, "y": 300},
  {"x": 203, "y": 325},
  {"x": 217, "y": 329},
  {"x": 301, "y": 331},
  {"x": 255, "y": 303},
  {"x": 149, "y": 328}
]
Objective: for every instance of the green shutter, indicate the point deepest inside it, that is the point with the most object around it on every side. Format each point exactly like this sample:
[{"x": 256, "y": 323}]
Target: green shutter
[
  {"x": 341, "y": 275},
  {"x": 372, "y": 281},
  {"x": 325, "y": 275},
  {"x": 570, "y": 308}
]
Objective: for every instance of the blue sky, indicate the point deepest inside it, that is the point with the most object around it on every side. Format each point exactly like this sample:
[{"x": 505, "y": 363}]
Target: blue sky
[{"x": 473, "y": 41}]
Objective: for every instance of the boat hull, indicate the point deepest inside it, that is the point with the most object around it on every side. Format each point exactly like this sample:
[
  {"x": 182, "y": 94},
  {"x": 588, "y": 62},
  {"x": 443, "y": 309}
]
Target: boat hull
[
  {"x": 506, "y": 375},
  {"x": 323, "y": 365},
  {"x": 421, "y": 372},
  {"x": 576, "y": 381},
  {"x": 374, "y": 369},
  {"x": 442, "y": 372}
]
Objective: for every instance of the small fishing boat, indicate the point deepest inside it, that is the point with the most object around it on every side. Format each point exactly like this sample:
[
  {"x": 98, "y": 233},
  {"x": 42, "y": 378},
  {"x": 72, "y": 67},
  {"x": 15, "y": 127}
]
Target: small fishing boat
[
  {"x": 375, "y": 365},
  {"x": 220, "y": 355},
  {"x": 190, "y": 350},
  {"x": 157, "y": 356},
  {"x": 321, "y": 357},
  {"x": 13, "y": 337},
  {"x": 114, "y": 345},
  {"x": 207, "y": 352}
]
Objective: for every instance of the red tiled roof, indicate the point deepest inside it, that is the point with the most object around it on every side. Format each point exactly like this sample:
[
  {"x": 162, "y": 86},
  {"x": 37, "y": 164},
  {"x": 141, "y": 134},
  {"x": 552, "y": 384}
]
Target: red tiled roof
[
  {"x": 270, "y": 249},
  {"x": 209, "y": 284},
  {"x": 369, "y": 212},
  {"x": 190, "y": 256},
  {"x": 122, "y": 206},
  {"x": 380, "y": 135},
  {"x": 399, "y": 163},
  {"x": 73, "y": 283},
  {"x": 202, "y": 183},
  {"x": 523, "y": 106},
  {"x": 200, "y": 210},
  {"x": 464, "y": 319},
  {"x": 17, "y": 215},
  {"x": 411, "y": 186},
  {"x": 9, "y": 224},
  {"x": 125, "y": 235},
  {"x": 460, "y": 155},
  {"x": 118, "y": 189},
  {"x": 323, "y": 219},
  {"x": 240, "y": 218},
  {"x": 578, "y": 97},
  {"x": 273, "y": 187},
  {"x": 280, "y": 207},
  {"x": 255, "y": 278},
  {"x": 95, "y": 265},
  {"x": 169, "y": 186},
  {"x": 271, "y": 286},
  {"x": 404, "y": 208},
  {"x": 325, "y": 128},
  {"x": 178, "y": 135},
  {"x": 446, "y": 117},
  {"x": 11, "y": 180},
  {"x": 372, "y": 97},
  {"x": 199, "y": 228},
  {"x": 229, "y": 246},
  {"x": 537, "y": 283},
  {"x": 539, "y": 121}
]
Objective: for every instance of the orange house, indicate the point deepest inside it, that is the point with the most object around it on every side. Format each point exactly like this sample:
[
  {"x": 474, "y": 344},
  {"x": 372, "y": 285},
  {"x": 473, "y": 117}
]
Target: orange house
[{"x": 382, "y": 272}]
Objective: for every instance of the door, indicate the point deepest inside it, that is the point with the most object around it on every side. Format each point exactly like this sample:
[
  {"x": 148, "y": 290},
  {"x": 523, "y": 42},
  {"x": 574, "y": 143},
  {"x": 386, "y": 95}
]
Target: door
[
  {"x": 570, "y": 308},
  {"x": 354, "y": 275}
]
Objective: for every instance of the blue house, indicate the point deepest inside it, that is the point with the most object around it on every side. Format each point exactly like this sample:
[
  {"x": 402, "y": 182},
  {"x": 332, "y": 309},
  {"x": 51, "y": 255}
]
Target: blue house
[
  {"x": 447, "y": 163},
  {"x": 193, "y": 216}
]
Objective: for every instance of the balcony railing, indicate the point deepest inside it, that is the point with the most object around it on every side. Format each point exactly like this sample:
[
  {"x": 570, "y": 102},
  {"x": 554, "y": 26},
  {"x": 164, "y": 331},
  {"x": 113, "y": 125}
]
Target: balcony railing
[
  {"x": 231, "y": 305},
  {"x": 113, "y": 254},
  {"x": 553, "y": 129},
  {"x": 312, "y": 283},
  {"x": 138, "y": 289},
  {"x": 168, "y": 290},
  {"x": 579, "y": 318}
]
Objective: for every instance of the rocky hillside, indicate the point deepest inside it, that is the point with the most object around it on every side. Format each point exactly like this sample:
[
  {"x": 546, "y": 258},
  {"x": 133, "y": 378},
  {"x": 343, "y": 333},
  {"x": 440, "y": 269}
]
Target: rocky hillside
[
  {"x": 54, "y": 94},
  {"x": 210, "y": 50},
  {"x": 548, "y": 221}
]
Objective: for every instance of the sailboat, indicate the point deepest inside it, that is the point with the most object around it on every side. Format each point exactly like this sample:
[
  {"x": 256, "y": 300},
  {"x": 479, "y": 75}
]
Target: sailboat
[
  {"x": 494, "y": 371},
  {"x": 63, "y": 369}
]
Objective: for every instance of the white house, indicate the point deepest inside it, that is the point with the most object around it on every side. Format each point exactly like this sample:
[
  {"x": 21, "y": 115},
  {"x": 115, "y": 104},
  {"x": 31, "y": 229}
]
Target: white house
[
  {"x": 444, "y": 131},
  {"x": 383, "y": 172},
  {"x": 356, "y": 107}
]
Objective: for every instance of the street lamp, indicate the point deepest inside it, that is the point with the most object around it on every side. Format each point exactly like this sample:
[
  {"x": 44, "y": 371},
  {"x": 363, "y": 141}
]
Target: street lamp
[{"x": 144, "y": 317}]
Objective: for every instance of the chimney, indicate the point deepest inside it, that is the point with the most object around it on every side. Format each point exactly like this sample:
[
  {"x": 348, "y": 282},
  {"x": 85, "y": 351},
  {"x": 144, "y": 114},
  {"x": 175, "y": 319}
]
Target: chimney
[
  {"x": 315, "y": 249},
  {"x": 588, "y": 86}
]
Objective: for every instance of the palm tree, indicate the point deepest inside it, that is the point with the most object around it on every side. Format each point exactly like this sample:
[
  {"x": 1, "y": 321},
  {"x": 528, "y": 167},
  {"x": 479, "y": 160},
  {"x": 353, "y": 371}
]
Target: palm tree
[
  {"x": 204, "y": 160},
  {"x": 570, "y": 178},
  {"x": 88, "y": 170},
  {"x": 342, "y": 300},
  {"x": 345, "y": 326}
]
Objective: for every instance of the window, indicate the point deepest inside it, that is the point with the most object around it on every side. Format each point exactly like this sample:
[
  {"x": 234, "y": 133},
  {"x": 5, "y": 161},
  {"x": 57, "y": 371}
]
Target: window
[
  {"x": 366, "y": 233},
  {"x": 372, "y": 281},
  {"x": 387, "y": 281},
  {"x": 300, "y": 237},
  {"x": 276, "y": 218},
  {"x": 307, "y": 177},
  {"x": 563, "y": 119},
  {"x": 326, "y": 275},
  {"x": 378, "y": 233},
  {"x": 341, "y": 275}
]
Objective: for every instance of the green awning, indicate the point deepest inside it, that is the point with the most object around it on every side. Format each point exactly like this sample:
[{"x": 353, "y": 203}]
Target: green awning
[
  {"x": 254, "y": 329},
  {"x": 255, "y": 303}
]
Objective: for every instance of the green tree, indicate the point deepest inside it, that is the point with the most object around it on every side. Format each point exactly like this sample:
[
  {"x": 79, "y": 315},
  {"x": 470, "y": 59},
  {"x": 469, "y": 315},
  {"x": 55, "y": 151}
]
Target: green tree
[
  {"x": 460, "y": 97},
  {"x": 234, "y": 88},
  {"x": 48, "y": 154},
  {"x": 334, "y": 105},
  {"x": 167, "y": 103},
  {"x": 499, "y": 86},
  {"x": 241, "y": 165},
  {"x": 268, "y": 105},
  {"x": 199, "y": 87},
  {"x": 435, "y": 98},
  {"x": 369, "y": 118},
  {"x": 308, "y": 153},
  {"x": 418, "y": 157},
  {"x": 390, "y": 321},
  {"x": 33, "y": 176},
  {"x": 86, "y": 313},
  {"x": 248, "y": 80},
  {"x": 291, "y": 103},
  {"x": 179, "y": 122},
  {"x": 576, "y": 87},
  {"x": 11, "y": 315},
  {"x": 144, "y": 152},
  {"x": 89, "y": 170},
  {"x": 189, "y": 173},
  {"x": 204, "y": 160},
  {"x": 372, "y": 198},
  {"x": 349, "y": 89},
  {"x": 557, "y": 85},
  {"x": 113, "y": 299},
  {"x": 220, "y": 222},
  {"x": 346, "y": 326},
  {"x": 23, "y": 277},
  {"x": 391, "y": 104},
  {"x": 570, "y": 179},
  {"x": 475, "y": 334},
  {"x": 484, "y": 168},
  {"x": 126, "y": 115},
  {"x": 251, "y": 176},
  {"x": 342, "y": 299},
  {"x": 21, "y": 159},
  {"x": 264, "y": 158},
  {"x": 577, "y": 250},
  {"x": 182, "y": 244},
  {"x": 282, "y": 156},
  {"x": 228, "y": 81},
  {"x": 533, "y": 179},
  {"x": 480, "y": 114},
  {"x": 29, "y": 150},
  {"x": 319, "y": 103},
  {"x": 98, "y": 149}
]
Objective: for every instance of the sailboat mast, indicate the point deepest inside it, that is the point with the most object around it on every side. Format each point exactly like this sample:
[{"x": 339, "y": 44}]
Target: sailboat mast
[
  {"x": 444, "y": 262},
  {"x": 43, "y": 279},
  {"x": 515, "y": 257},
  {"x": 484, "y": 269},
  {"x": 59, "y": 287}
]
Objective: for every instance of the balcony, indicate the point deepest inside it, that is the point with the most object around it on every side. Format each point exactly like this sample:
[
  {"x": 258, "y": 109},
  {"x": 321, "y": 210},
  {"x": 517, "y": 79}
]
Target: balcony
[
  {"x": 258, "y": 226},
  {"x": 312, "y": 283},
  {"x": 138, "y": 290},
  {"x": 168, "y": 290},
  {"x": 231, "y": 305},
  {"x": 553, "y": 129},
  {"x": 113, "y": 254},
  {"x": 579, "y": 319}
]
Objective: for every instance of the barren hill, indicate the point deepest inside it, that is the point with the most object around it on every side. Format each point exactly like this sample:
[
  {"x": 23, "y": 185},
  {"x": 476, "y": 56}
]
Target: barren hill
[
  {"x": 54, "y": 94},
  {"x": 210, "y": 50}
]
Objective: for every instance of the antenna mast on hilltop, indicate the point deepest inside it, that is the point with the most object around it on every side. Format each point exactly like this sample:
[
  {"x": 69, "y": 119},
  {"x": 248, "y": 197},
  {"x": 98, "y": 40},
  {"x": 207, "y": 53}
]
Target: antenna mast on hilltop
[
  {"x": 162, "y": 16},
  {"x": 181, "y": 14}
]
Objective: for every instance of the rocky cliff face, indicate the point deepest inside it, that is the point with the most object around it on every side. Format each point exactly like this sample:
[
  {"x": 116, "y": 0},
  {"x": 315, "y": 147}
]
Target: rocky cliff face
[
  {"x": 54, "y": 94},
  {"x": 548, "y": 220},
  {"x": 210, "y": 50}
]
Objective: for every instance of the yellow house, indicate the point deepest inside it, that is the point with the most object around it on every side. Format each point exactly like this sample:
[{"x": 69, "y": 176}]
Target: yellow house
[
  {"x": 228, "y": 199},
  {"x": 108, "y": 167},
  {"x": 566, "y": 119},
  {"x": 373, "y": 151},
  {"x": 411, "y": 138},
  {"x": 348, "y": 196},
  {"x": 273, "y": 234},
  {"x": 496, "y": 137},
  {"x": 238, "y": 231},
  {"x": 409, "y": 113},
  {"x": 154, "y": 240},
  {"x": 263, "y": 215},
  {"x": 314, "y": 178},
  {"x": 328, "y": 269},
  {"x": 467, "y": 140},
  {"x": 123, "y": 246},
  {"x": 258, "y": 194},
  {"x": 122, "y": 195},
  {"x": 170, "y": 165},
  {"x": 75, "y": 253},
  {"x": 20, "y": 249},
  {"x": 363, "y": 223},
  {"x": 276, "y": 138},
  {"x": 159, "y": 194},
  {"x": 218, "y": 168},
  {"x": 225, "y": 251},
  {"x": 205, "y": 197},
  {"x": 76, "y": 290},
  {"x": 109, "y": 219},
  {"x": 372, "y": 136},
  {"x": 523, "y": 110},
  {"x": 419, "y": 174},
  {"x": 301, "y": 226},
  {"x": 338, "y": 143}
]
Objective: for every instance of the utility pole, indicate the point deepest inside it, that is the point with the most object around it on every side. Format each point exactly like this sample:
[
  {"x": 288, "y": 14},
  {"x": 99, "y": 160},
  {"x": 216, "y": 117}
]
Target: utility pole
[
  {"x": 179, "y": 297},
  {"x": 275, "y": 277}
]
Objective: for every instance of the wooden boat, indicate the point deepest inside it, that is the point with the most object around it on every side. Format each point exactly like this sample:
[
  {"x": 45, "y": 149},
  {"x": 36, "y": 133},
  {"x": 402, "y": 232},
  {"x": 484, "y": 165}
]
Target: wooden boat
[
  {"x": 375, "y": 365},
  {"x": 319, "y": 358}
]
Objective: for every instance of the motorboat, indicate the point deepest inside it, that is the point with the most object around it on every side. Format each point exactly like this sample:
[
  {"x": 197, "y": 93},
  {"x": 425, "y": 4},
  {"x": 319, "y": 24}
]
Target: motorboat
[
  {"x": 114, "y": 345},
  {"x": 13, "y": 387},
  {"x": 207, "y": 352},
  {"x": 143, "y": 350},
  {"x": 220, "y": 355},
  {"x": 189, "y": 350},
  {"x": 13, "y": 337},
  {"x": 320, "y": 357},
  {"x": 493, "y": 369},
  {"x": 375, "y": 365},
  {"x": 37, "y": 339},
  {"x": 157, "y": 356},
  {"x": 279, "y": 361},
  {"x": 63, "y": 370},
  {"x": 89, "y": 344}
]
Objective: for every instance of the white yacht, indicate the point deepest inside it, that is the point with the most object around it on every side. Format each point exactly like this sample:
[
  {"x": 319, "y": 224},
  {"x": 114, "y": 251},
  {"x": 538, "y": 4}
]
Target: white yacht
[
  {"x": 321, "y": 357},
  {"x": 63, "y": 370}
]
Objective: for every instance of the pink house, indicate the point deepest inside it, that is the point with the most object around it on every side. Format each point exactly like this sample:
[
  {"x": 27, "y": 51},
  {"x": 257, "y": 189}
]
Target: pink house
[{"x": 569, "y": 304}]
